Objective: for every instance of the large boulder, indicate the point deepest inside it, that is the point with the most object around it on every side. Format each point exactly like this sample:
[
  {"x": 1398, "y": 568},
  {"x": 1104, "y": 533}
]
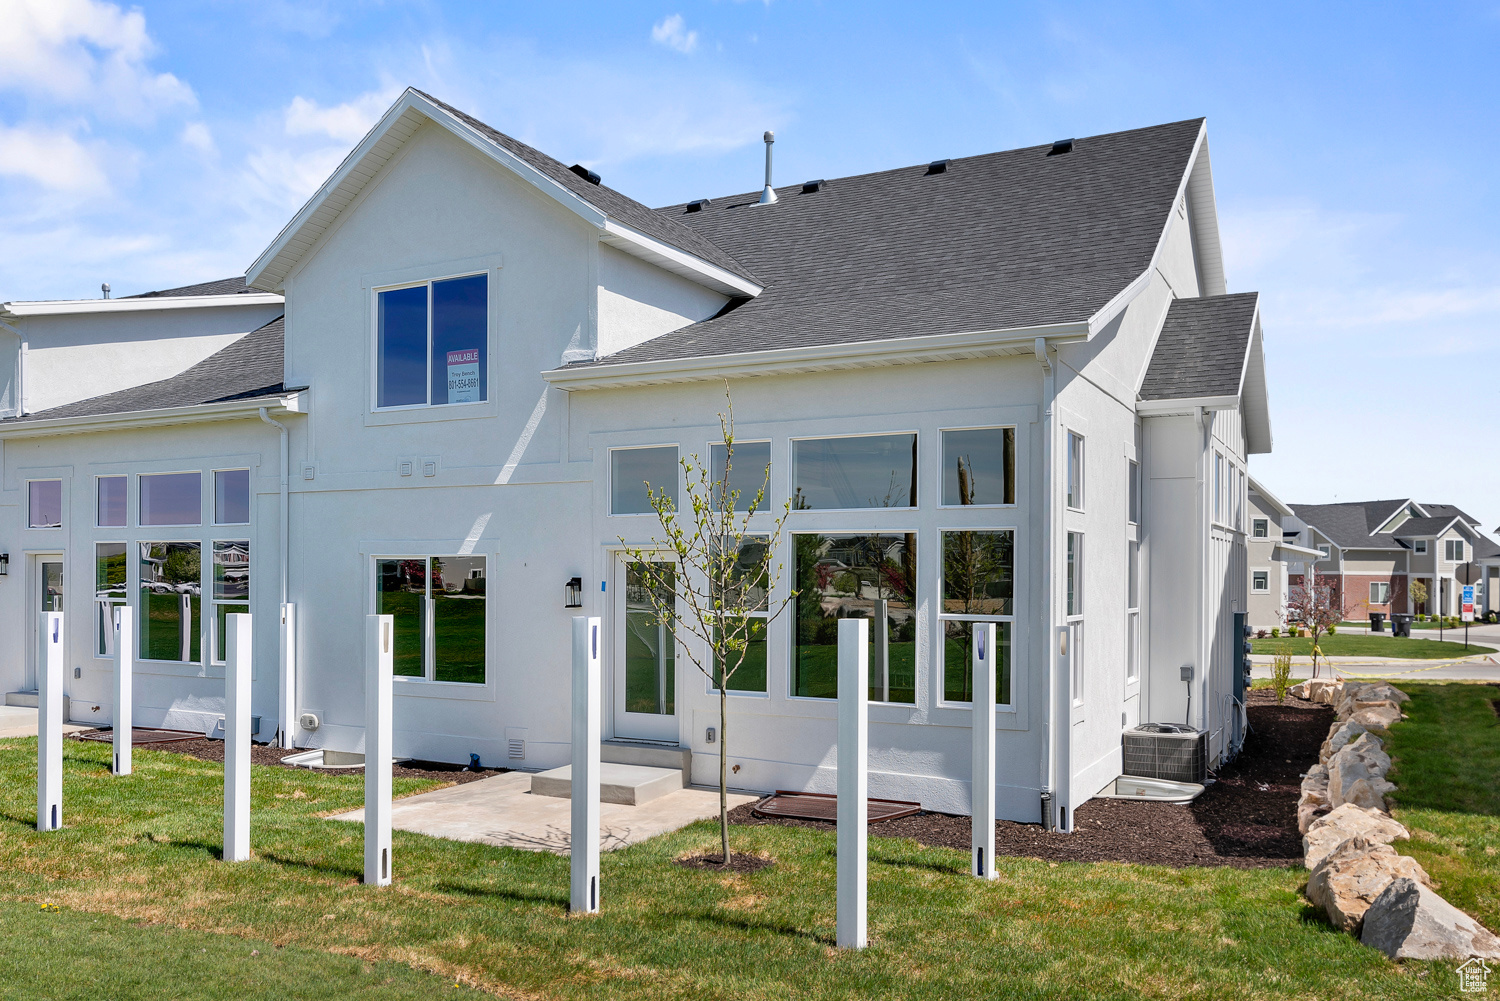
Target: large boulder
[
  {"x": 1313, "y": 801},
  {"x": 1409, "y": 921},
  {"x": 1339, "y": 735},
  {"x": 1350, "y": 879},
  {"x": 1356, "y": 774},
  {"x": 1325, "y": 834},
  {"x": 1377, "y": 719},
  {"x": 1343, "y": 698},
  {"x": 1314, "y": 689}
]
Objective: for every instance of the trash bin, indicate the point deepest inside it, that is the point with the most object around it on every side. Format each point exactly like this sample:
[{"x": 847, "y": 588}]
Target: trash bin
[
  {"x": 1377, "y": 622},
  {"x": 1400, "y": 624}
]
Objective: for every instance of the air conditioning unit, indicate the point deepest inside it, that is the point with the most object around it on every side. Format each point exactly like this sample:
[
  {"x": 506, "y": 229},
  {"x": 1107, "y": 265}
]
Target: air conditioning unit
[{"x": 1171, "y": 751}]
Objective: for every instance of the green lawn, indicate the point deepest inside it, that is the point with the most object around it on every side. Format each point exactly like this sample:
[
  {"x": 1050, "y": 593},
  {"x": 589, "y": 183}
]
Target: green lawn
[
  {"x": 1344, "y": 645},
  {"x": 144, "y": 849},
  {"x": 1447, "y": 765}
]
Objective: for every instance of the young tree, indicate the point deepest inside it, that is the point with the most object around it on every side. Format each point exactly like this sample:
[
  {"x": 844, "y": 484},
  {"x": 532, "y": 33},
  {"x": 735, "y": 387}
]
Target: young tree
[
  {"x": 1418, "y": 592},
  {"x": 1317, "y": 605},
  {"x": 718, "y": 592}
]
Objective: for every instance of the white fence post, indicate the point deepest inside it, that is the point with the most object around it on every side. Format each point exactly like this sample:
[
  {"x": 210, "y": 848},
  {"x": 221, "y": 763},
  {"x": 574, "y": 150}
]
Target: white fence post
[
  {"x": 237, "y": 674},
  {"x": 379, "y": 659},
  {"x": 982, "y": 777},
  {"x": 49, "y": 684},
  {"x": 853, "y": 780},
  {"x": 584, "y": 784},
  {"x": 288, "y": 675},
  {"x": 124, "y": 716}
]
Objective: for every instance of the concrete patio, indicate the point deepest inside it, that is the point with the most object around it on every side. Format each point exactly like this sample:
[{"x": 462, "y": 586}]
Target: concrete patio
[
  {"x": 503, "y": 811},
  {"x": 20, "y": 721}
]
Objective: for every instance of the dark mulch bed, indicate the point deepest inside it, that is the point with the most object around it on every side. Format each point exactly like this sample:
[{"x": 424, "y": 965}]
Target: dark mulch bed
[
  {"x": 1246, "y": 820},
  {"x": 261, "y": 754},
  {"x": 738, "y": 862}
]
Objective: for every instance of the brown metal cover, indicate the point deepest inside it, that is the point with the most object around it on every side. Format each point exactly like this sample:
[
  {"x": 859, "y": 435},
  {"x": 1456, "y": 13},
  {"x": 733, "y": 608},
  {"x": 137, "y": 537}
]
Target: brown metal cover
[{"x": 824, "y": 806}]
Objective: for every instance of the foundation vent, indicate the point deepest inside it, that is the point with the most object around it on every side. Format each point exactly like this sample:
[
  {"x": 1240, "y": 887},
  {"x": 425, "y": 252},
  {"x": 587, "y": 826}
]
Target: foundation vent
[{"x": 515, "y": 743}]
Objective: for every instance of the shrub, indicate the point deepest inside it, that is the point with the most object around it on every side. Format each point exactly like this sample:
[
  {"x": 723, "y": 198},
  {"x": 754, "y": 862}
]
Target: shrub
[
  {"x": 1421, "y": 616},
  {"x": 1332, "y": 629},
  {"x": 1281, "y": 674},
  {"x": 1276, "y": 632},
  {"x": 1260, "y": 634}
]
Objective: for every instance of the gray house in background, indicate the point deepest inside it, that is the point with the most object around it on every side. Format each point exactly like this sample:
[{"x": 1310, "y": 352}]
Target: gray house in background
[{"x": 1273, "y": 555}]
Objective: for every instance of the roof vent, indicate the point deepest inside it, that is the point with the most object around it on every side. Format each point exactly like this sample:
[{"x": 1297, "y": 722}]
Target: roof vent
[
  {"x": 808, "y": 187},
  {"x": 1061, "y": 146},
  {"x": 768, "y": 196},
  {"x": 699, "y": 205},
  {"x": 938, "y": 167},
  {"x": 105, "y": 289},
  {"x": 585, "y": 173}
]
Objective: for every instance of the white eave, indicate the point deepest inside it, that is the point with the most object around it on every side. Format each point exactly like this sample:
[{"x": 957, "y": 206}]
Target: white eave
[
  {"x": 817, "y": 357},
  {"x": 396, "y": 126},
  {"x": 1285, "y": 552},
  {"x": 282, "y": 403},
  {"x": 57, "y": 307}
]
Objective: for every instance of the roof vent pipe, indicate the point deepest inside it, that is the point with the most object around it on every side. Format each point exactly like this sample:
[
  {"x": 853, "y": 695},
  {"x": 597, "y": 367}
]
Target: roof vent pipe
[
  {"x": 768, "y": 196},
  {"x": 104, "y": 287}
]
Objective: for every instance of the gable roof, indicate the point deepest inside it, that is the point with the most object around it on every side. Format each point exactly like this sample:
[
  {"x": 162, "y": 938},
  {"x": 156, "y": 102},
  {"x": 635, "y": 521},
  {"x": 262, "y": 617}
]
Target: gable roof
[
  {"x": 1352, "y": 525},
  {"x": 221, "y": 286},
  {"x": 1203, "y": 348},
  {"x": 1002, "y": 241},
  {"x": 1441, "y": 510},
  {"x": 626, "y": 223},
  {"x": 249, "y": 368},
  {"x": 1421, "y": 528}
]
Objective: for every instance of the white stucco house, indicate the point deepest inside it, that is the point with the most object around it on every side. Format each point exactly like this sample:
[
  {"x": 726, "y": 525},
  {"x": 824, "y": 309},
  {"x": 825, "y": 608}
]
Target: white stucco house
[{"x": 484, "y": 354}]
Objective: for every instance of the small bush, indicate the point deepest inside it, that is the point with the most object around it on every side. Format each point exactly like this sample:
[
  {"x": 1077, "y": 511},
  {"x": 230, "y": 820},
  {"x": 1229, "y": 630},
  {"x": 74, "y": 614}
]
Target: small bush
[
  {"x": 1332, "y": 629},
  {"x": 1281, "y": 674},
  {"x": 1276, "y": 632},
  {"x": 1421, "y": 616},
  {"x": 1260, "y": 634}
]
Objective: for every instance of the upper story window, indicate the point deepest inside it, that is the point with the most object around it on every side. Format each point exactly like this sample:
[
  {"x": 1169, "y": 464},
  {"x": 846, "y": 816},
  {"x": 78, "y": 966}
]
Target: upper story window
[
  {"x": 1419, "y": 546},
  {"x": 878, "y": 470},
  {"x": 44, "y": 504},
  {"x": 1134, "y": 488},
  {"x": 171, "y": 498},
  {"x": 111, "y": 498},
  {"x": 1218, "y": 487},
  {"x": 1260, "y": 581},
  {"x": 979, "y": 467},
  {"x": 231, "y": 497},
  {"x": 1326, "y": 551},
  {"x": 1260, "y": 528},
  {"x": 749, "y": 473},
  {"x": 432, "y": 343},
  {"x": 635, "y": 472},
  {"x": 1075, "y": 470},
  {"x": 1453, "y": 550}
]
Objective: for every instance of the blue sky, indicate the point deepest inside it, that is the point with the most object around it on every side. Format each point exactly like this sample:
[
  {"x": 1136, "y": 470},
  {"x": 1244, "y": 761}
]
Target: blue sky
[{"x": 1353, "y": 149}]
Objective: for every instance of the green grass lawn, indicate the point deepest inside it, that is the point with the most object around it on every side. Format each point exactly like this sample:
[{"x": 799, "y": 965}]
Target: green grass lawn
[
  {"x": 1447, "y": 765},
  {"x": 144, "y": 849},
  {"x": 1344, "y": 645}
]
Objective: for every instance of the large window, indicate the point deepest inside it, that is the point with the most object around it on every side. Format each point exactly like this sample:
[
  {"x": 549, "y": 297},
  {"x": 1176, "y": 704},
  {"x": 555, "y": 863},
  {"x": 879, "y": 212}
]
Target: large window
[
  {"x": 231, "y": 497},
  {"x": 231, "y": 594},
  {"x": 979, "y": 467},
  {"x": 109, "y": 592},
  {"x": 1453, "y": 550},
  {"x": 749, "y": 474},
  {"x": 44, "y": 504},
  {"x": 169, "y": 610},
  {"x": 750, "y": 673},
  {"x": 1075, "y": 470},
  {"x": 171, "y": 499},
  {"x": 635, "y": 472},
  {"x": 432, "y": 343},
  {"x": 438, "y": 604},
  {"x": 978, "y": 574},
  {"x": 867, "y": 471},
  {"x": 111, "y": 501},
  {"x": 842, "y": 576},
  {"x": 1380, "y": 592}
]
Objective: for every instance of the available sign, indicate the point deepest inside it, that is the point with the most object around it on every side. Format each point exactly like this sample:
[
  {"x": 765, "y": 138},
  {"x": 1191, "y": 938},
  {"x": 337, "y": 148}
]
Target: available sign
[
  {"x": 463, "y": 376},
  {"x": 1468, "y": 603}
]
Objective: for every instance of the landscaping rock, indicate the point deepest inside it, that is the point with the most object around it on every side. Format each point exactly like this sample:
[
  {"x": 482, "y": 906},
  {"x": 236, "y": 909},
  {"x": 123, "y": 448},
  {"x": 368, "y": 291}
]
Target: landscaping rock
[
  {"x": 1338, "y": 736},
  {"x": 1409, "y": 921},
  {"x": 1348, "y": 881},
  {"x": 1377, "y": 719},
  {"x": 1313, "y": 801},
  {"x": 1356, "y": 774},
  {"x": 1315, "y": 689},
  {"x": 1325, "y": 834}
]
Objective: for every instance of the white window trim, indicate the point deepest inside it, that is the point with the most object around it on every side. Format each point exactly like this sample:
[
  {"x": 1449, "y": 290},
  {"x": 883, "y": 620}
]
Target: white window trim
[
  {"x": 489, "y": 339},
  {"x": 939, "y": 638},
  {"x": 112, "y": 476},
  {"x": 1075, "y": 621},
  {"x": 62, "y": 504},
  {"x": 1068, "y": 436},
  {"x": 214, "y": 495},
  {"x": 1381, "y": 601},
  {"x": 204, "y": 662},
  {"x": 1260, "y": 590},
  {"x": 1419, "y": 546},
  {"x": 791, "y": 469},
  {"x": 766, "y": 501},
  {"x": 941, "y": 470},
  {"x": 609, "y": 471},
  {"x": 428, "y": 684},
  {"x": 140, "y": 513},
  {"x": 1260, "y": 521}
]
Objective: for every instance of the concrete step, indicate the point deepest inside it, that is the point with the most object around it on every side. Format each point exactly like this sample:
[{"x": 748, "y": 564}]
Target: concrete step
[
  {"x": 32, "y": 700},
  {"x": 648, "y": 753},
  {"x": 630, "y": 785}
]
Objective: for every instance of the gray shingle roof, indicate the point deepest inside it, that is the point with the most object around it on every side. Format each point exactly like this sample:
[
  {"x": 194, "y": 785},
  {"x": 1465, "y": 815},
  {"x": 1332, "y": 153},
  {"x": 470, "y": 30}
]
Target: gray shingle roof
[
  {"x": 998, "y": 241},
  {"x": 1350, "y": 525},
  {"x": 222, "y": 286},
  {"x": 248, "y": 368},
  {"x": 609, "y": 201},
  {"x": 1201, "y": 348},
  {"x": 1416, "y": 528},
  {"x": 1449, "y": 510}
]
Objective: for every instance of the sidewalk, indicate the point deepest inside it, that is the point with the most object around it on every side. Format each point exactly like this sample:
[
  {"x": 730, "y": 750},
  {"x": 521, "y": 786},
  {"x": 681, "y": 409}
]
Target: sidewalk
[{"x": 1485, "y": 667}]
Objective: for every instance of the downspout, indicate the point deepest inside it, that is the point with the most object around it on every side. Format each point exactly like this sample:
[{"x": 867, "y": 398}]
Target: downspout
[
  {"x": 1048, "y": 775},
  {"x": 287, "y": 691},
  {"x": 1205, "y": 538}
]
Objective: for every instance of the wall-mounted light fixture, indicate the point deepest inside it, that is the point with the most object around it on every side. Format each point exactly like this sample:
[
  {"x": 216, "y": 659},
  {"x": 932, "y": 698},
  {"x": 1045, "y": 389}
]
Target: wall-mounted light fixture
[
  {"x": 4, "y": 564},
  {"x": 574, "y": 591}
]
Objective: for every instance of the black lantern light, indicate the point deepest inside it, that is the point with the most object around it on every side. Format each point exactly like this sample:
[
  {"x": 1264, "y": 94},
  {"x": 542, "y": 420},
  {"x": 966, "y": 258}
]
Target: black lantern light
[
  {"x": 574, "y": 591},
  {"x": 4, "y": 564}
]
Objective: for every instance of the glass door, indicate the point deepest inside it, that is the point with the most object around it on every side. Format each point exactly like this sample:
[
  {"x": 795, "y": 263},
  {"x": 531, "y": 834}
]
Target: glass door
[
  {"x": 47, "y": 596},
  {"x": 645, "y": 668}
]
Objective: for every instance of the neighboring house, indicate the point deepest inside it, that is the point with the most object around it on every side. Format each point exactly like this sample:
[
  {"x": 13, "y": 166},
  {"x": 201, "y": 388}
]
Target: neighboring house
[
  {"x": 1373, "y": 550},
  {"x": 1272, "y": 554},
  {"x": 487, "y": 354}
]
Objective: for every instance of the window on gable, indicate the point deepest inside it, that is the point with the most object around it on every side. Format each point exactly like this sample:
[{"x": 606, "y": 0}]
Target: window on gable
[
  {"x": 432, "y": 343},
  {"x": 1453, "y": 550},
  {"x": 1326, "y": 551},
  {"x": 1260, "y": 528}
]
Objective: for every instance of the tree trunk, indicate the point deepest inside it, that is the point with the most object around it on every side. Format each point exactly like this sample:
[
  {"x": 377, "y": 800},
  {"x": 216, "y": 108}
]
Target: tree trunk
[{"x": 723, "y": 768}]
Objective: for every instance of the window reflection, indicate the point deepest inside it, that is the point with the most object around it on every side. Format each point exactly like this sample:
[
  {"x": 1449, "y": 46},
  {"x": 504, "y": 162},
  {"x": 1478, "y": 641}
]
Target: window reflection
[
  {"x": 109, "y": 592},
  {"x": 868, "y": 471},
  {"x": 111, "y": 502},
  {"x": 44, "y": 504},
  {"x": 979, "y": 466},
  {"x": 650, "y": 647},
  {"x": 458, "y": 617},
  {"x": 401, "y": 592},
  {"x": 636, "y": 471},
  {"x": 170, "y": 598},
  {"x": 749, "y": 473},
  {"x": 171, "y": 498},
  {"x": 232, "y": 497}
]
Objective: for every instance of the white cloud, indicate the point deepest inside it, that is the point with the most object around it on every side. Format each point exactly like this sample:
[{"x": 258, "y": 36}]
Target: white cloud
[
  {"x": 347, "y": 122},
  {"x": 86, "y": 53},
  {"x": 53, "y": 159},
  {"x": 198, "y": 136},
  {"x": 673, "y": 32}
]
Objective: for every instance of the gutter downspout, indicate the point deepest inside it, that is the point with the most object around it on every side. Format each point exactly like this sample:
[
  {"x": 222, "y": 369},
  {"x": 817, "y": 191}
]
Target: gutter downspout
[
  {"x": 287, "y": 692},
  {"x": 1049, "y": 796},
  {"x": 1205, "y": 538}
]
